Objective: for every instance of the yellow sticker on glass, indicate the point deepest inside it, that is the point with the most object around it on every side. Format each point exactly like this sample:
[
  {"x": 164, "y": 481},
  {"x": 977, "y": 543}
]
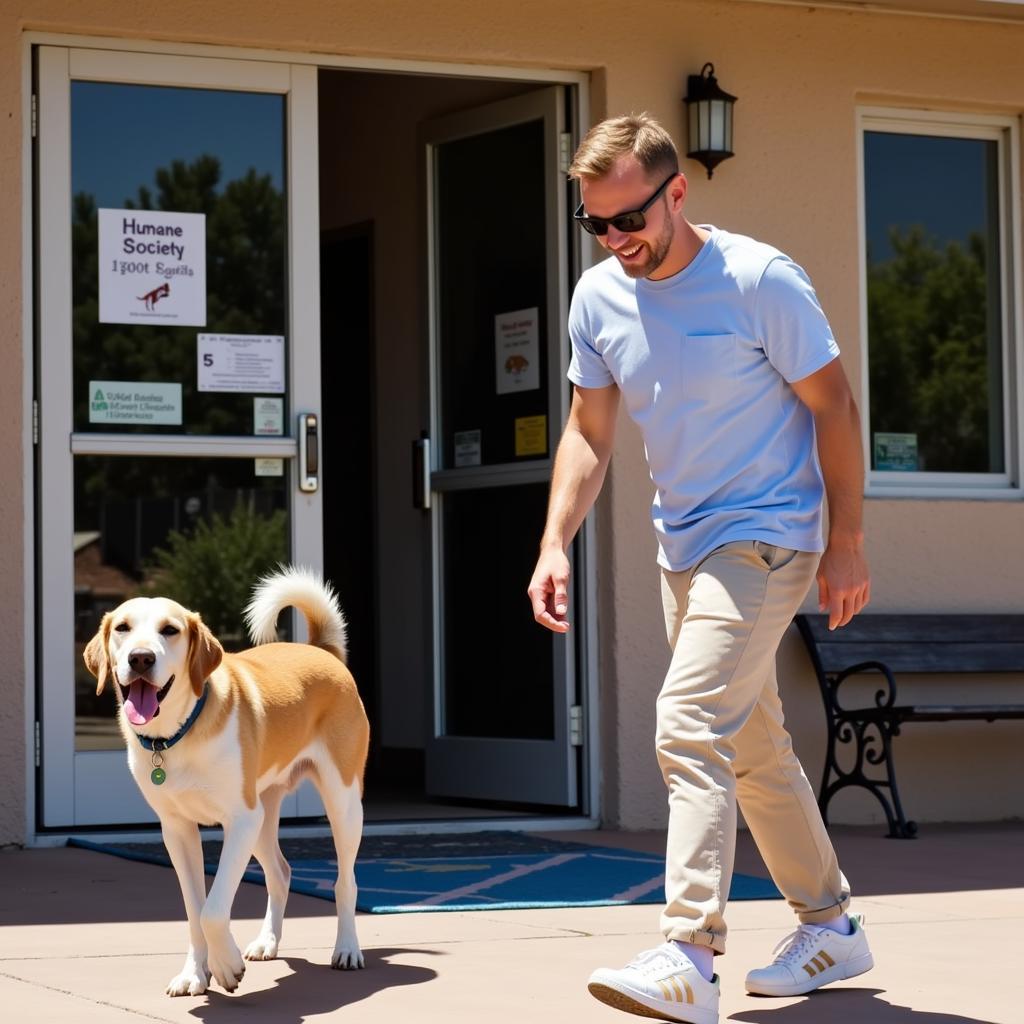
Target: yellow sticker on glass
[{"x": 532, "y": 435}]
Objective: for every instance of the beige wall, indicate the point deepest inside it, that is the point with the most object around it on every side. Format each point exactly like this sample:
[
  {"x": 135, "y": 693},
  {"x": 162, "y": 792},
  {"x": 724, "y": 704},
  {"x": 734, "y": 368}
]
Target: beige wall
[
  {"x": 12, "y": 493},
  {"x": 798, "y": 73}
]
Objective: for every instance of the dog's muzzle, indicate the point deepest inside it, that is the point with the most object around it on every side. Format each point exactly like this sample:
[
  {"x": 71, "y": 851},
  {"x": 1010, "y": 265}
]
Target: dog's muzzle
[{"x": 142, "y": 699}]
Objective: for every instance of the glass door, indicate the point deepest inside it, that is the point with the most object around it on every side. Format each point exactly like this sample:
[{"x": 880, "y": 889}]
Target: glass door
[
  {"x": 178, "y": 349},
  {"x": 503, "y": 687}
]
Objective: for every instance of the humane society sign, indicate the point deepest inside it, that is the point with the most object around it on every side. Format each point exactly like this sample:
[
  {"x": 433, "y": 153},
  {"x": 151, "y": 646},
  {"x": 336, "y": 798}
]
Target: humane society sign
[{"x": 152, "y": 267}]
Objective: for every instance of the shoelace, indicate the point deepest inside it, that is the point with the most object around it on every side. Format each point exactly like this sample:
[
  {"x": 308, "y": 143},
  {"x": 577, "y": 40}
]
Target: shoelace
[
  {"x": 795, "y": 946},
  {"x": 656, "y": 959}
]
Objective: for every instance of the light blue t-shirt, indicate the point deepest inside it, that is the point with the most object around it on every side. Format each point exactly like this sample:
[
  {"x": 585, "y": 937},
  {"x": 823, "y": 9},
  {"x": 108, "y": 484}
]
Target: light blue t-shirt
[{"x": 703, "y": 360}]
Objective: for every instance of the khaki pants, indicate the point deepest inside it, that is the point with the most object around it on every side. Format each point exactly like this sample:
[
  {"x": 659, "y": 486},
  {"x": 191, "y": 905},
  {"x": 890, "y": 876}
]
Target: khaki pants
[{"x": 721, "y": 736}]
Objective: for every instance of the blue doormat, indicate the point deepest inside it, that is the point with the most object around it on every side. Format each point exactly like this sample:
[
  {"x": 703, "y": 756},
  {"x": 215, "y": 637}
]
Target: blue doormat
[{"x": 483, "y": 871}]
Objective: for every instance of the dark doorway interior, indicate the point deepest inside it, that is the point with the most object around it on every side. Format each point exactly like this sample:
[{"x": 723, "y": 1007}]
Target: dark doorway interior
[
  {"x": 375, "y": 372},
  {"x": 347, "y": 391}
]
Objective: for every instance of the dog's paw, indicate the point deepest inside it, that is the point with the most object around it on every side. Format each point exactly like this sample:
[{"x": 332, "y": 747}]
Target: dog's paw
[
  {"x": 193, "y": 981},
  {"x": 226, "y": 965},
  {"x": 347, "y": 958},
  {"x": 263, "y": 947}
]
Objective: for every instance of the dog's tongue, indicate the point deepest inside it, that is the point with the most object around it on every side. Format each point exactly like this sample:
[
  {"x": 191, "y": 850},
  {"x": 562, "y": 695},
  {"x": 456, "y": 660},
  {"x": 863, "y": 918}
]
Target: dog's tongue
[{"x": 141, "y": 703}]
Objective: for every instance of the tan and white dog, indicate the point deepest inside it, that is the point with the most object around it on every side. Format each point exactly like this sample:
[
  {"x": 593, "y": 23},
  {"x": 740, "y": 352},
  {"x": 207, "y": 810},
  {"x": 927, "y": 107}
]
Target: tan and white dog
[{"x": 272, "y": 715}]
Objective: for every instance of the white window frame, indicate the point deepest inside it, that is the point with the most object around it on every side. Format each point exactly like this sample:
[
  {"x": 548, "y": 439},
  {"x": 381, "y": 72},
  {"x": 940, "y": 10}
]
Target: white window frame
[{"x": 1005, "y": 131}]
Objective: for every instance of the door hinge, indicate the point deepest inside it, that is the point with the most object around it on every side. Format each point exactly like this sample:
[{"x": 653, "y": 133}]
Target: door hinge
[
  {"x": 35, "y": 421},
  {"x": 35, "y": 115},
  {"x": 576, "y": 726},
  {"x": 564, "y": 151},
  {"x": 38, "y": 747}
]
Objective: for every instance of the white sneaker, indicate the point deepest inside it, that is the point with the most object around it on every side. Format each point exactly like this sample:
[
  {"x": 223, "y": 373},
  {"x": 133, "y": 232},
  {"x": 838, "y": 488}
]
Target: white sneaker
[
  {"x": 661, "y": 983},
  {"x": 813, "y": 956}
]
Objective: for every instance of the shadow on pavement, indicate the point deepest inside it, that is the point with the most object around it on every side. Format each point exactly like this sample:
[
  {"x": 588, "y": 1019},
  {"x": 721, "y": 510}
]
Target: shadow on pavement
[
  {"x": 312, "y": 989},
  {"x": 847, "y": 1006}
]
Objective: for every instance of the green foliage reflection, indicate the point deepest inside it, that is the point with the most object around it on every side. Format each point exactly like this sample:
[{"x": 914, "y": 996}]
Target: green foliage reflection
[
  {"x": 213, "y": 569},
  {"x": 934, "y": 350},
  {"x": 245, "y": 253}
]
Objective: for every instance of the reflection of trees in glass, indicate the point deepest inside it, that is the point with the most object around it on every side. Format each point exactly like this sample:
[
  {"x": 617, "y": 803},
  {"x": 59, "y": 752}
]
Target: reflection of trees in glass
[
  {"x": 213, "y": 569},
  {"x": 245, "y": 250},
  {"x": 181, "y": 508},
  {"x": 928, "y": 311},
  {"x": 210, "y": 566}
]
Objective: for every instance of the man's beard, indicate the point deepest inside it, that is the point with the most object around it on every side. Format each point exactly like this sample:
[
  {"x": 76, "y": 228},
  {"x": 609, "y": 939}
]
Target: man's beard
[{"x": 659, "y": 251}]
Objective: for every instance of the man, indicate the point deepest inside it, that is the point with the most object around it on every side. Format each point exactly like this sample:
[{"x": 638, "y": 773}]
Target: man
[{"x": 726, "y": 362}]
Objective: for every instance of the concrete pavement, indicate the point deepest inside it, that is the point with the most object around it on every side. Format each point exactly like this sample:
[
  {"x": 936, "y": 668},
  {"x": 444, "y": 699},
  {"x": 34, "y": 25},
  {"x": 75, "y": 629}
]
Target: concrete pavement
[{"x": 88, "y": 938}]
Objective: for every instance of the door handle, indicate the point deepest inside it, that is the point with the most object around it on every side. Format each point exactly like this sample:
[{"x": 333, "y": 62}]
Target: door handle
[
  {"x": 309, "y": 452},
  {"x": 421, "y": 473}
]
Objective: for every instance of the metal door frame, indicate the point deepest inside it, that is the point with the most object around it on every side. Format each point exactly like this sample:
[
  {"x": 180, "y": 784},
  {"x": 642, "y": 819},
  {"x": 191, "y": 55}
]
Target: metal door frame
[
  {"x": 586, "y": 255},
  {"x": 547, "y": 105},
  {"x": 65, "y": 805}
]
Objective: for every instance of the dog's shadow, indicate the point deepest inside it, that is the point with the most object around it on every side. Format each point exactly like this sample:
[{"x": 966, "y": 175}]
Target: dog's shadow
[
  {"x": 311, "y": 989},
  {"x": 847, "y": 1004}
]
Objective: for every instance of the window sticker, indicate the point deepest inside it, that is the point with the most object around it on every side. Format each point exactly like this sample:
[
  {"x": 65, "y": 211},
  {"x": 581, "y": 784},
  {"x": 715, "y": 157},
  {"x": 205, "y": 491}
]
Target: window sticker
[
  {"x": 240, "y": 362},
  {"x": 152, "y": 267},
  {"x": 269, "y": 467},
  {"x": 532, "y": 435},
  {"x": 896, "y": 452},
  {"x": 129, "y": 401},
  {"x": 268, "y": 415},
  {"x": 517, "y": 362},
  {"x": 467, "y": 448}
]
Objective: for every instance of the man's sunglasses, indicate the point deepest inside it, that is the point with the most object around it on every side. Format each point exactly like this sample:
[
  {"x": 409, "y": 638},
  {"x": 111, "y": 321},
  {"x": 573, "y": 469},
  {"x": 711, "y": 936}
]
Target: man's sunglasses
[{"x": 627, "y": 223}]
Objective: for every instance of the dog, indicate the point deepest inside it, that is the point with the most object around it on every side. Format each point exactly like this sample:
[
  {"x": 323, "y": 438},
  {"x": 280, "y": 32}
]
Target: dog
[
  {"x": 217, "y": 738},
  {"x": 153, "y": 297}
]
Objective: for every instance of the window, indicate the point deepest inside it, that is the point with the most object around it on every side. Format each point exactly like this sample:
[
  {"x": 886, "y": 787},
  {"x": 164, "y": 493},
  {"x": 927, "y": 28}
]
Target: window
[{"x": 942, "y": 345}]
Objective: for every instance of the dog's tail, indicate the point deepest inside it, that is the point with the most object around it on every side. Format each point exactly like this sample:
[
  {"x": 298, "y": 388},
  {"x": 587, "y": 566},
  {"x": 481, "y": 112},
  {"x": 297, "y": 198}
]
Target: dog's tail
[{"x": 305, "y": 590}]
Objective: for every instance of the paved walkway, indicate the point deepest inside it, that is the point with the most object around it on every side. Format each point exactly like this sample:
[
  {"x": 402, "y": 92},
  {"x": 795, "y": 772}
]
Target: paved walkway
[{"x": 89, "y": 938}]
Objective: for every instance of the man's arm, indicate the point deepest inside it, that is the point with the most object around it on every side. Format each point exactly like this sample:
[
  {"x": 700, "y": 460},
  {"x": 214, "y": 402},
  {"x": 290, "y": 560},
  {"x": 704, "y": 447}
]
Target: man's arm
[
  {"x": 580, "y": 466},
  {"x": 844, "y": 583}
]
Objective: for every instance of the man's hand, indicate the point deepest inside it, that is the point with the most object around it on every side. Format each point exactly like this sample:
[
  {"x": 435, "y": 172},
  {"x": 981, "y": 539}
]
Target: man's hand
[
  {"x": 549, "y": 590},
  {"x": 844, "y": 583}
]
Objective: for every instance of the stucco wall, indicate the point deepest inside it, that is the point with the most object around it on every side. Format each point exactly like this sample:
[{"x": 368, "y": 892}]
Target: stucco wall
[
  {"x": 798, "y": 73},
  {"x": 12, "y": 427}
]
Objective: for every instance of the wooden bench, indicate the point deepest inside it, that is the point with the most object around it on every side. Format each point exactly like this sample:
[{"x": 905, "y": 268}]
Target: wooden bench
[{"x": 890, "y": 645}]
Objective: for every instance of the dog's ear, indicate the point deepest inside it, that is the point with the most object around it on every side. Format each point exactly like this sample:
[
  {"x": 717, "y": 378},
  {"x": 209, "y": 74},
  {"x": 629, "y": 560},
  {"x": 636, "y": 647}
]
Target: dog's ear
[
  {"x": 205, "y": 653},
  {"x": 97, "y": 661}
]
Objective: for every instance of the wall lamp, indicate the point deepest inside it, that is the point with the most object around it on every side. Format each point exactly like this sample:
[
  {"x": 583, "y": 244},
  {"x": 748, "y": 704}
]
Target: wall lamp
[{"x": 709, "y": 111}]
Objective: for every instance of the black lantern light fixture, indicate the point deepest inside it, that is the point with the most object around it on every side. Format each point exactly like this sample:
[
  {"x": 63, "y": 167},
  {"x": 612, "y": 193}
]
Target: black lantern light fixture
[{"x": 709, "y": 113}]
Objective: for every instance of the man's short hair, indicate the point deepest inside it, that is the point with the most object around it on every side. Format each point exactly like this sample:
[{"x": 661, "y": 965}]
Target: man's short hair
[{"x": 638, "y": 134}]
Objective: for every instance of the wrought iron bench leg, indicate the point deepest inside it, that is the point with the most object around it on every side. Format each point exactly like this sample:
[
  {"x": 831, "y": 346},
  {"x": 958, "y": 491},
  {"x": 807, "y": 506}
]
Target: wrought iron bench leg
[{"x": 854, "y": 730}]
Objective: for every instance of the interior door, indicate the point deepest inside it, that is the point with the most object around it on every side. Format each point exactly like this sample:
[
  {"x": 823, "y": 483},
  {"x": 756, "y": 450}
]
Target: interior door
[
  {"x": 178, "y": 349},
  {"x": 503, "y": 687}
]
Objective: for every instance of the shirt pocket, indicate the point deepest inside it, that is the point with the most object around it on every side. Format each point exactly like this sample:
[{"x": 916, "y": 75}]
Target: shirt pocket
[{"x": 708, "y": 367}]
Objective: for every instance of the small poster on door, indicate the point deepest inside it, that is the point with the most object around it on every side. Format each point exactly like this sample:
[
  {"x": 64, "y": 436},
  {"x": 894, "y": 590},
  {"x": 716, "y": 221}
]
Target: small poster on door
[
  {"x": 241, "y": 362},
  {"x": 268, "y": 415},
  {"x": 531, "y": 435},
  {"x": 152, "y": 267},
  {"x": 129, "y": 401},
  {"x": 467, "y": 448},
  {"x": 268, "y": 467},
  {"x": 517, "y": 347}
]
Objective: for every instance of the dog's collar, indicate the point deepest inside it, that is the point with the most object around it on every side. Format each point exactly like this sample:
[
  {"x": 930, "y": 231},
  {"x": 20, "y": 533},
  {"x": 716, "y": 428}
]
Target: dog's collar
[{"x": 158, "y": 744}]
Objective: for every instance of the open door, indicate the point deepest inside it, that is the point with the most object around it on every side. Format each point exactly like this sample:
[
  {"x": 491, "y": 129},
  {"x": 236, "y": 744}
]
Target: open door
[{"x": 503, "y": 694}]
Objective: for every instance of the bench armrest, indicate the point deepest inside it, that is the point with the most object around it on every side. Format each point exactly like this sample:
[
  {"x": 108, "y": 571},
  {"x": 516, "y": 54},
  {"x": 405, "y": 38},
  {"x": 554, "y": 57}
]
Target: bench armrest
[{"x": 883, "y": 698}]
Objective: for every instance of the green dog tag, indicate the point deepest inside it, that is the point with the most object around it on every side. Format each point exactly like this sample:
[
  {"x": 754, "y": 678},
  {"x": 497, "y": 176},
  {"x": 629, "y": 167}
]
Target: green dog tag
[{"x": 157, "y": 776}]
